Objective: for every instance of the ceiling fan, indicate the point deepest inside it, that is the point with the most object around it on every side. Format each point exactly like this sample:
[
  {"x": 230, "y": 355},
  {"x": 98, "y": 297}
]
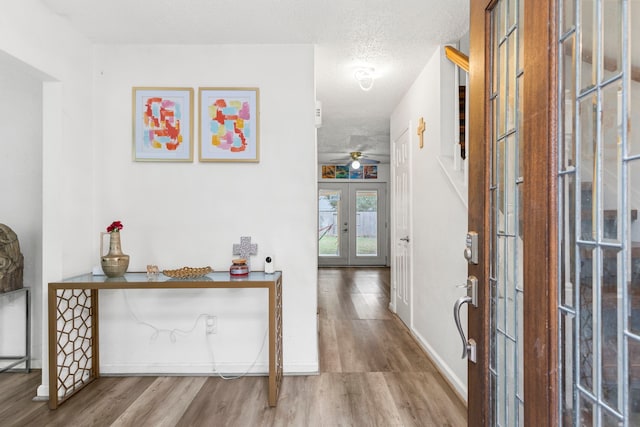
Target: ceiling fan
[{"x": 356, "y": 159}]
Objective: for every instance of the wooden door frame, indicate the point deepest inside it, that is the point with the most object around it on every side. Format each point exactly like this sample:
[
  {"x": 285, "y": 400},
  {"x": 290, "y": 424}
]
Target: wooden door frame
[
  {"x": 539, "y": 138},
  {"x": 540, "y": 196},
  {"x": 478, "y": 389}
]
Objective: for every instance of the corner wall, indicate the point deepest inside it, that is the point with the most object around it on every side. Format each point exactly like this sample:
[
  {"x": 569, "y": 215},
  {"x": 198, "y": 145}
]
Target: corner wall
[
  {"x": 439, "y": 220},
  {"x": 31, "y": 33},
  {"x": 21, "y": 205},
  {"x": 61, "y": 59}
]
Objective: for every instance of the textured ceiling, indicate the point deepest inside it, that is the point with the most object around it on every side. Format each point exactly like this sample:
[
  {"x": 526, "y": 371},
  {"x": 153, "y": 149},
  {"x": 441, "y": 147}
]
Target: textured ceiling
[{"x": 394, "y": 37}]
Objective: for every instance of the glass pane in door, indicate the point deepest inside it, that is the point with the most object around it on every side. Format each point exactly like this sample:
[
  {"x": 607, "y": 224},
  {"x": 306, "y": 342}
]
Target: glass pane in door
[
  {"x": 329, "y": 205},
  {"x": 599, "y": 376},
  {"x": 507, "y": 287},
  {"x": 367, "y": 223}
]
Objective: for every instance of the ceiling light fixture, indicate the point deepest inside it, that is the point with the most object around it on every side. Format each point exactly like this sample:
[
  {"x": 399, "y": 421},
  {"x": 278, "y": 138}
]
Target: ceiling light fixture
[
  {"x": 365, "y": 76},
  {"x": 355, "y": 159}
]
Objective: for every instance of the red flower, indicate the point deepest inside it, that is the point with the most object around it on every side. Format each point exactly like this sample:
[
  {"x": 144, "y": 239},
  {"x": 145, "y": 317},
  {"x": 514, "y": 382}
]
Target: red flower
[{"x": 115, "y": 226}]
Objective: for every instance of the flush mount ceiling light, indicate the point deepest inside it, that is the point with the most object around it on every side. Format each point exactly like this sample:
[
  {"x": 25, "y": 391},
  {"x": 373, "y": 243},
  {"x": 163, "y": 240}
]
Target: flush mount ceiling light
[{"x": 365, "y": 76}]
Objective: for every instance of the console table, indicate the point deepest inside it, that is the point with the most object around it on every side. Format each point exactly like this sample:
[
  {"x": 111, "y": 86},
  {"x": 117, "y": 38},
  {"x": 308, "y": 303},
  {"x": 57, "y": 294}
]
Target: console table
[{"x": 74, "y": 351}]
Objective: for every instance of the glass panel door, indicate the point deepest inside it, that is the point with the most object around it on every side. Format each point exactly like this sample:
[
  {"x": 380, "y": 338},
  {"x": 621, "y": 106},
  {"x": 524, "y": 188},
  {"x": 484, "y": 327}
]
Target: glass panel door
[
  {"x": 368, "y": 238},
  {"x": 366, "y": 223},
  {"x": 333, "y": 224},
  {"x": 352, "y": 224}
]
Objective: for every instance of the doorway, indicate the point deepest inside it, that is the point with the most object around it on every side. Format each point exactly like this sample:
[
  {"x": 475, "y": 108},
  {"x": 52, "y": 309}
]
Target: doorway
[
  {"x": 22, "y": 114},
  {"x": 352, "y": 224}
]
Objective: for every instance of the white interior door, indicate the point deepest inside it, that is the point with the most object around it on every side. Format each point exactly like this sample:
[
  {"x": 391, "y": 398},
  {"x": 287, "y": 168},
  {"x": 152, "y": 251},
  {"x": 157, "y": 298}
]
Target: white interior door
[
  {"x": 401, "y": 231},
  {"x": 351, "y": 224}
]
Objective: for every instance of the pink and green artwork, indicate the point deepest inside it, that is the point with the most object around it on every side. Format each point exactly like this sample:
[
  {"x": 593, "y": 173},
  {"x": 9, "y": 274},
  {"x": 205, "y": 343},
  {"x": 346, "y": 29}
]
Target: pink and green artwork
[{"x": 229, "y": 125}]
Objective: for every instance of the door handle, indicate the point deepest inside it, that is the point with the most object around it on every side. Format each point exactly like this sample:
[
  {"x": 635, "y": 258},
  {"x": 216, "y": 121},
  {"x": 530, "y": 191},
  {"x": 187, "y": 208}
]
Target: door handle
[
  {"x": 405, "y": 239},
  {"x": 344, "y": 230},
  {"x": 468, "y": 346}
]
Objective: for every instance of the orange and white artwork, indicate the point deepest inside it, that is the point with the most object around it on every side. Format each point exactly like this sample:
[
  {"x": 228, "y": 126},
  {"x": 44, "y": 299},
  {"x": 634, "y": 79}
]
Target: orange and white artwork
[{"x": 163, "y": 124}]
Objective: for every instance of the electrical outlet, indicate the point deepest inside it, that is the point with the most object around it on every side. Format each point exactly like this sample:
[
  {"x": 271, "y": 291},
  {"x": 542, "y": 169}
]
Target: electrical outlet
[{"x": 212, "y": 325}]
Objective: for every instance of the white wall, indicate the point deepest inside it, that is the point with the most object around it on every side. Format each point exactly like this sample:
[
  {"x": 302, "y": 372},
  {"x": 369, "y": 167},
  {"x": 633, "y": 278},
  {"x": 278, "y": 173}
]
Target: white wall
[
  {"x": 439, "y": 221},
  {"x": 190, "y": 214},
  {"x": 31, "y": 34},
  {"x": 44, "y": 41},
  {"x": 21, "y": 207},
  {"x": 210, "y": 213}
]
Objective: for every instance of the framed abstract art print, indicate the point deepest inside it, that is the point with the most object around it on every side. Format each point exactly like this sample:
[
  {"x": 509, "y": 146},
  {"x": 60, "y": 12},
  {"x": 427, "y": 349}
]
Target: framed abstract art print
[
  {"x": 162, "y": 124},
  {"x": 229, "y": 125}
]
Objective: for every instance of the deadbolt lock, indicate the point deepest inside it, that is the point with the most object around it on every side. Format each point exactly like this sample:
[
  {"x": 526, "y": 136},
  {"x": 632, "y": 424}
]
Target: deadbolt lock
[{"x": 471, "y": 248}]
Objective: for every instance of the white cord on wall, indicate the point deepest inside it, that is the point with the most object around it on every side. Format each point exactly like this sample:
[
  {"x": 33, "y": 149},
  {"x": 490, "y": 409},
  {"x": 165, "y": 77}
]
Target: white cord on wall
[
  {"x": 157, "y": 331},
  {"x": 172, "y": 336},
  {"x": 213, "y": 359}
]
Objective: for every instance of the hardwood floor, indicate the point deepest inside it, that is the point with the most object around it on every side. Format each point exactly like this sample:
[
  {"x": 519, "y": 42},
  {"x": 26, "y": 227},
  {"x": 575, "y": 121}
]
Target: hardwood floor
[{"x": 372, "y": 373}]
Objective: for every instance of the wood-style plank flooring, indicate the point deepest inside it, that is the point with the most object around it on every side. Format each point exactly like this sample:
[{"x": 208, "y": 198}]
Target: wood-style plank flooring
[{"x": 372, "y": 373}]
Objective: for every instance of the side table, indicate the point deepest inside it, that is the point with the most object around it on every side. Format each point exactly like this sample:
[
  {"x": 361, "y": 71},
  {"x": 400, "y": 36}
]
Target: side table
[{"x": 26, "y": 358}]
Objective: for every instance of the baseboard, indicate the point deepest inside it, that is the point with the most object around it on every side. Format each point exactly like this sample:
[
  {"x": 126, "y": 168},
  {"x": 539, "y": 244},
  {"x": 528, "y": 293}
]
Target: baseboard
[
  {"x": 182, "y": 369},
  {"x": 449, "y": 376},
  {"x": 42, "y": 393},
  {"x": 170, "y": 370},
  {"x": 201, "y": 369}
]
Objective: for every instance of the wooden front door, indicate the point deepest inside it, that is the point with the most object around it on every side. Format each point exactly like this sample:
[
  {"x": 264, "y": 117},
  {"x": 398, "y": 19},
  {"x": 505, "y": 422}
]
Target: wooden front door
[{"x": 512, "y": 207}]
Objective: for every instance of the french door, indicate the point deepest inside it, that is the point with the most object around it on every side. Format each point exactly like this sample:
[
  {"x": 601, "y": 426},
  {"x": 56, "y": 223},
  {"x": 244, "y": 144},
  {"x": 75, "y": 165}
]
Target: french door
[{"x": 352, "y": 224}]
